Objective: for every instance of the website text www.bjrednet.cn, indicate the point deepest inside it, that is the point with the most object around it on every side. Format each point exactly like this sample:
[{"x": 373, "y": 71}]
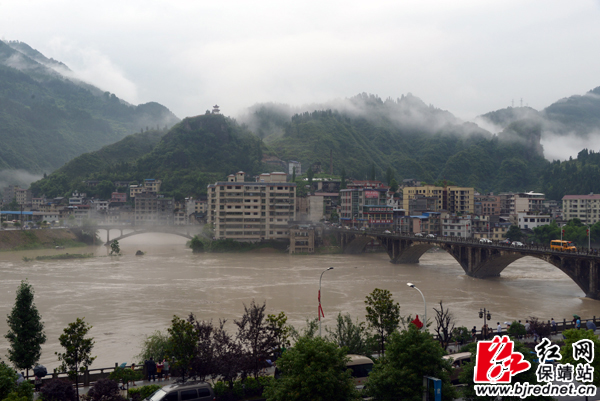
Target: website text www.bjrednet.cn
[{"x": 525, "y": 390}]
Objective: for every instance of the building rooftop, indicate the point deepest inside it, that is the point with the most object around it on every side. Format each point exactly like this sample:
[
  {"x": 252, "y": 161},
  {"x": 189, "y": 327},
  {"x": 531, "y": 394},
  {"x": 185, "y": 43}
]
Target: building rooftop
[{"x": 590, "y": 196}]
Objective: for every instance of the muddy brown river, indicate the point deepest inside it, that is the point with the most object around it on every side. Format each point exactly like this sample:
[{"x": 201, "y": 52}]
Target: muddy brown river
[{"x": 128, "y": 297}]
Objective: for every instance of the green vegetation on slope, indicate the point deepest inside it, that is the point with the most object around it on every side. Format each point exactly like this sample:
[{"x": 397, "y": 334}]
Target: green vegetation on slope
[
  {"x": 196, "y": 152},
  {"x": 47, "y": 119}
]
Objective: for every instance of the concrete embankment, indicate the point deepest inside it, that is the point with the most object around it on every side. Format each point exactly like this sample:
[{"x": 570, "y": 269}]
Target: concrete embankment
[{"x": 18, "y": 240}]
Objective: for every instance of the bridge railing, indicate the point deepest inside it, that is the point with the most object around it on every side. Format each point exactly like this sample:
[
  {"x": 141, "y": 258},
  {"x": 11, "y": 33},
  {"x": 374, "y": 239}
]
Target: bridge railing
[{"x": 583, "y": 251}]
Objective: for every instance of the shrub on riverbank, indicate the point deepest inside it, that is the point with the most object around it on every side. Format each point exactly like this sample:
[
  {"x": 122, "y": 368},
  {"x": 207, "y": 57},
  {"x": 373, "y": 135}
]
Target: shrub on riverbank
[{"x": 202, "y": 244}]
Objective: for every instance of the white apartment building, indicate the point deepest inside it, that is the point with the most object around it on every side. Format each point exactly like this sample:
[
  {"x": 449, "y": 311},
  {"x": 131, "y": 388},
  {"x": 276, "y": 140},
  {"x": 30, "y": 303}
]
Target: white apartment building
[
  {"x": 531, "y": 220},
  {"x": 584, "y": 207},
  {"x": 251, "y": 211}
]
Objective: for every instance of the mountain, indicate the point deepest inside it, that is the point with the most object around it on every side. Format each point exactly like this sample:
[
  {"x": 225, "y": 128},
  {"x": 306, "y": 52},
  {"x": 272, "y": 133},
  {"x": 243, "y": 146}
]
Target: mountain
[
  {"x": 48, "y": 117},
  {"x": 577, "y": 114},
  {"x": 364, "y": 133},
  {"x": 415, "y": 140},
  {"x": 195, "y": 152}
]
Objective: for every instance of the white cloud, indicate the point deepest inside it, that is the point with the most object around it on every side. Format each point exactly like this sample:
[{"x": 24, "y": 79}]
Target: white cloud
[
  {"x": 92, "y": 66},
  {"x": 465, "y": 56}
]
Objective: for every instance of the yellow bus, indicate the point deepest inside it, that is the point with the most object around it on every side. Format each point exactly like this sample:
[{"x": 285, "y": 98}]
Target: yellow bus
[{"x": 565, "y": 246}]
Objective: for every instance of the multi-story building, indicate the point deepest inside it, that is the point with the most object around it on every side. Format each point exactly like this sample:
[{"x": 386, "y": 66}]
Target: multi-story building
[
  {"x": 583, "y": 207},
  {"x": 23, "y": 196},
  {"x": 459, "y": 200},
  {"x": 295, "y": 167},
  {"x": 152, "y": 209},
  {"x": 530, "y": 221},
  {"x": 487, "y": 205},
  {"x": 457, "y": 226},
  {"x": 513, "y": 203},
  {"x": 366, "y": 207},
  {"x": 149, "y": 185},
  {"x": 118, "y": 197},
  {"x": 302, "y": 239},
  {"x": 251, "y": 211}
]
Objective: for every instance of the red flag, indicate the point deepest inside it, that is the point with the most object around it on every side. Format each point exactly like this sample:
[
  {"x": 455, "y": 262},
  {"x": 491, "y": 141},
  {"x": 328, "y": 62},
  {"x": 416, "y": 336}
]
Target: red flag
[
  {"x": 320, "y": 310},
  {"x": 417, "y": 322}
]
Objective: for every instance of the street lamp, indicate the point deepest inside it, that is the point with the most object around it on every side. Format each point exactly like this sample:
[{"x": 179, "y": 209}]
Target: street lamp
[
  {"x": 424, "y": 303},
  {"x": 320, "y": 310},
  {"x": 483, "y": 314}
]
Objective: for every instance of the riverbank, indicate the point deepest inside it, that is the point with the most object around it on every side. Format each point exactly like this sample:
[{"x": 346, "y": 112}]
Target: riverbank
[{"x": 23, "y": 240}]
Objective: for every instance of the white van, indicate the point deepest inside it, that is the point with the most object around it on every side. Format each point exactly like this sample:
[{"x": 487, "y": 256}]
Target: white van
[{"x": 361, "y": 367}]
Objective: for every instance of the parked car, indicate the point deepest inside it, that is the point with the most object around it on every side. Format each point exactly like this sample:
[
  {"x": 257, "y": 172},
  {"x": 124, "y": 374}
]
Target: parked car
[
  {"x": 517, "y": 244},
  {"x": 418, "y": 234},
  {"x": 485, "y": 241},
  {"x": 193, "y": 391},
  {"x": 363, "y": 229},
  {"x": 431, "y": 235},
  {"x": 387, "y": 232},
  {"x": 505, "y": 241}
]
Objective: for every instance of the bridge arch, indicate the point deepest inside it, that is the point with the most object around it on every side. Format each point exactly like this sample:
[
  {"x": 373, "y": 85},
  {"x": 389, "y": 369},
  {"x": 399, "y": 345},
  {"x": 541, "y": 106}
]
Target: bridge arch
[
  {"x": 483, "y": 260},
  {"x": 131, "y": 234}
]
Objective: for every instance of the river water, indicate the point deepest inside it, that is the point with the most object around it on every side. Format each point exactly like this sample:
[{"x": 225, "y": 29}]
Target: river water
[{"x": 128, "y": 297}]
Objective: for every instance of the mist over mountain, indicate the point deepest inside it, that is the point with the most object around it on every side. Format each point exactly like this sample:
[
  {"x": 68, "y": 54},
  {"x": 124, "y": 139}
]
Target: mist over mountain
[{"x": 48, "y": 116}]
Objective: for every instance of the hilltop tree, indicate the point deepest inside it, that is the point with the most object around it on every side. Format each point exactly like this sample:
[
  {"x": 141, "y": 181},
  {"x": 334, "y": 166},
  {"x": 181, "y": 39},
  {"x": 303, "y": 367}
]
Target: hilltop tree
[
  {"x": 26, "y": 330},
  {"x": 310, "y": 175},
  {"x": 389, "y": 176},
  {"x": 78, "y": 350},
  {"x": 383, "y": 315}
]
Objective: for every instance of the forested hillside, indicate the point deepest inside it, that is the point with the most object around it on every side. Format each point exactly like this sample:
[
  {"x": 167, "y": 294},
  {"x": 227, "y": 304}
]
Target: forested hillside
[
  {"x": 197, "y": 151},
  {"x": 415, "y": 140},
  {"x": 573, "y": 176},
  {"x": 47, "y": 118},
  {"x": 577, "y": 114}
]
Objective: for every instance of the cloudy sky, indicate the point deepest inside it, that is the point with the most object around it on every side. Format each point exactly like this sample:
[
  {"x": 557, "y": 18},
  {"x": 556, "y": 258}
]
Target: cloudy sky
[{"x": 465, "y": 56}]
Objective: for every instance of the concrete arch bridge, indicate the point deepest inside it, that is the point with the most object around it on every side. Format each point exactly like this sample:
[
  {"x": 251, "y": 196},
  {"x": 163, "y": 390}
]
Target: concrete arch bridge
[
  {"x": 477, "y": 259},
  {"x": 187, "y": 231}
]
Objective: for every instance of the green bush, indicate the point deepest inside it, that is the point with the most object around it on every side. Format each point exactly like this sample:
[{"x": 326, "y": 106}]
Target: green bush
[
  {"x": 142, "y": 392},
  {"x": 252, "y": 387},
  {"x": 220, "y": 388},
  {"x": 516, "y": 329}
]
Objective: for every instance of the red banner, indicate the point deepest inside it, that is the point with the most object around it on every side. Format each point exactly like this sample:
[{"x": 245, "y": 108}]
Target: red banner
[{"x": 371, "y": 194}]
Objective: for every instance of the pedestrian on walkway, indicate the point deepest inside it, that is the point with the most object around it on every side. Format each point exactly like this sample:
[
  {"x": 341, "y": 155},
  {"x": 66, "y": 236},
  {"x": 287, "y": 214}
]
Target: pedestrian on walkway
[
  {"x": 166, "y": 368},
  {"x": 499, "y": 329},
  {"x": 151, "y": 369},
  {"x": 474, "y": 333},
  {"x": 527, "y": 326},
  {"x": 159, "y": 370},
  {"x": 554, "y": 326}
]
